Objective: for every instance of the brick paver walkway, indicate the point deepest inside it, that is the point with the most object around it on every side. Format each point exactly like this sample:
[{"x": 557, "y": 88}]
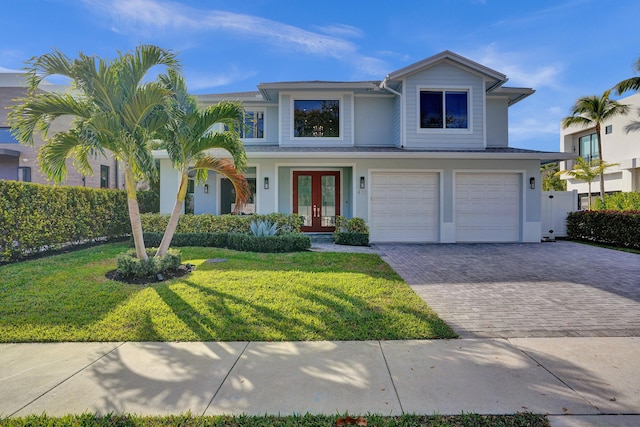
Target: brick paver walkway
[{"x": 559, "y": 289}]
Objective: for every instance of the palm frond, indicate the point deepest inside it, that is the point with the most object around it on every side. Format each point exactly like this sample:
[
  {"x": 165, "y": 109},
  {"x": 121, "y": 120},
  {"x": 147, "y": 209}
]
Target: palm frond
[
  {"x": 226, "y": 168},
  {"x": 228, "y": 141},
  {"x": 55, "y": 152}
]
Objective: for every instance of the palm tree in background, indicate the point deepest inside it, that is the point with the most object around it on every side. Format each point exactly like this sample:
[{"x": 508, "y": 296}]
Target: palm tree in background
[
  {"x": 112, "y": 107},
  {"x": 189, "y": 135},
  {"x": 587, "y": 171},
  {"x": 632, "y": 83},
  {"x": 592, "y": 111}
]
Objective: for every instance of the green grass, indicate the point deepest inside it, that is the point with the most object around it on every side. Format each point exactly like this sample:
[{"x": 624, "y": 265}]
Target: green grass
[
  {"x": 463, "y": 420},
  {"x": 252, "y": 297}
]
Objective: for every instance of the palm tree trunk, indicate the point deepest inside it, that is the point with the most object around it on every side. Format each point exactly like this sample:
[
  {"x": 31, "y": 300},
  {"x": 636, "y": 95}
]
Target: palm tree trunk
[
  {"x": 601, "y": 160},
  {"x": 172, "y": 225},
  {"x": 134, "y": 213},
  {"x": 589, "y": 195}
]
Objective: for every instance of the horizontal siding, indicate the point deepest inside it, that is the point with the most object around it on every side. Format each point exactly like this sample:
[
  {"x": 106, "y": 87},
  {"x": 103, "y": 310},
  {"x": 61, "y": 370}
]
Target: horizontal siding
[
  {"x": 444, "y": 76},
  {"x": 374, "y": 121}
]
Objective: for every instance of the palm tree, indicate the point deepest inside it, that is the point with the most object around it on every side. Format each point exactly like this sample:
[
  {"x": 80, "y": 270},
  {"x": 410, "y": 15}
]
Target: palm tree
[
  {"x": 586, "y": 171},
  {"x": 591, "y": 111},
  {"x": 632, "y": 83},
  {"x": 188, "y": 137},
  {"x": 112, "y": 108}
]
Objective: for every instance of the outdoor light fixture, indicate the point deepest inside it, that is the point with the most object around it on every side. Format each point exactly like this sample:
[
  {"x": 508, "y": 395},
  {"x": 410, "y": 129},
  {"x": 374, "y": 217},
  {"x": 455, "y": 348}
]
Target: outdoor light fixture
[
  {"x": 206, "y": 189},
  {"x": 266, "y": 182},
  {"x": 532, "y": 183},
  {"x": 362, "y": 182}
]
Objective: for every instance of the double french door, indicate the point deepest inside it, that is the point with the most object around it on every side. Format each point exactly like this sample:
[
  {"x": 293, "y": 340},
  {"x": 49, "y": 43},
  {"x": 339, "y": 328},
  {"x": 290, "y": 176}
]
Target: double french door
[{"x": 316, "y": 198}]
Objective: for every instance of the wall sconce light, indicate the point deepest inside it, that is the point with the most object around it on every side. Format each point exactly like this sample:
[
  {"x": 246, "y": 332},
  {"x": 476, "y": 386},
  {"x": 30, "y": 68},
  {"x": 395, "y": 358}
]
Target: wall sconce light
[
  {"x": 362, "y": 183},
  {"x": 266, "y": 182},
  {"x": 532, "y": 183},
  {"x": 206, "y": 189}
]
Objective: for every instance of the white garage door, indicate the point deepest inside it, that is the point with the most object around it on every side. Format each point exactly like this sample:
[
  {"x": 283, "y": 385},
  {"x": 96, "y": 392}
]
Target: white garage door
[
  {"x": 487, "y": 207},
  {"x": 404, "y": 207}
]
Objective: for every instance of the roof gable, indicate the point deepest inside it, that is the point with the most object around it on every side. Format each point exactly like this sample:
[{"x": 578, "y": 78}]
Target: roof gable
[{"x": 451, "y": 57}]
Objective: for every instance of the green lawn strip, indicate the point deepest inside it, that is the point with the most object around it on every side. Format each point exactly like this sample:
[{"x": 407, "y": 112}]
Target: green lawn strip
[
  {"x": 615, "y": 248},
  {"x": 463, "y": 420},
  {"x": 250, "y": 297}
]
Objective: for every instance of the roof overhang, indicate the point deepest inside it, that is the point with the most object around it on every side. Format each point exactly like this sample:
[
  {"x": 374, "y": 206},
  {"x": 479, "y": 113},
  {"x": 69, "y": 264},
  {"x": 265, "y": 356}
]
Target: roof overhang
[
  {"x": 270, "y": 91},
  {"x": 9, "y": 153},
  {"x": 514, "y": 94},
  {"x": 254, "y": 152}
]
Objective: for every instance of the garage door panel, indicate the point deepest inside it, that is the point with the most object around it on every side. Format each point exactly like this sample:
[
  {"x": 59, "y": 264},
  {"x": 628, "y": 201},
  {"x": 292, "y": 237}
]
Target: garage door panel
[
  {"x": 487, "y": 207},
  {"x": 404, "y": 207}
]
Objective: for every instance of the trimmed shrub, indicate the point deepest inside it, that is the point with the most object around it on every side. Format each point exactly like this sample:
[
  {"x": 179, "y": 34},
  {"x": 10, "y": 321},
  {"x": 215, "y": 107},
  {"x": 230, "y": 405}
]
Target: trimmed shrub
[
  {"x": 215, "y": 240},
  {"x": 607, "y": 227},
  {"x": 148, "y": 201},
  {"x": 128, "y": 265},
  {"x": 35, "y": 218},
  {"x": 353, "y": 232},
  {"x": 351, "y": 239},
  {"x": 209, "y": 223},
  {"x": 290, "y": 242},
  {"x": 619, "y": 202}
]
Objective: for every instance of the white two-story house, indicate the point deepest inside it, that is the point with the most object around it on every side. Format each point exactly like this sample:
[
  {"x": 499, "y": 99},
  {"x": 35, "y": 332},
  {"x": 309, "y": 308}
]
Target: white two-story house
[
  {"x": 422, "y": 155},
  {"x": 618, "y": 146}
]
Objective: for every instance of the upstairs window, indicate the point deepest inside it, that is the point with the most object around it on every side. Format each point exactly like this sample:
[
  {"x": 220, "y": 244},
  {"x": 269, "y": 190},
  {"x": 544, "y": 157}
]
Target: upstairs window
[
  {"x": 253, "y": 125},
  {"x": 316, "y": 118},
  {"x": 444, "y": 109},
  {"x": 6, "y": 137},
  {"x": 588, "y": 146}
]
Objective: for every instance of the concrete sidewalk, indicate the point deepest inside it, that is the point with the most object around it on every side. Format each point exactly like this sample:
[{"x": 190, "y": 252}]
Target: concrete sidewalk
[{"x": 577, "y": 381}]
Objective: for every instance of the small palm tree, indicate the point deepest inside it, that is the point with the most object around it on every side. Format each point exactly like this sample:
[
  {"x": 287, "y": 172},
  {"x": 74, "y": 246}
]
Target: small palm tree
[
  {"x": 187, "y": 138},
  {"x": 112, "y": 107},
  {"x": 632, "y": 83},
  {"x": 591, "y": 111},
  {"x": 586, "y": 171}
]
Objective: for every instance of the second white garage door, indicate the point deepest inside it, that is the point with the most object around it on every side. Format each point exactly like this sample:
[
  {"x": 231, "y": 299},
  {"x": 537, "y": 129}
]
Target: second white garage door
[
  {"x": 404, "y": 207},
  {"x": 487, "y": 207}
]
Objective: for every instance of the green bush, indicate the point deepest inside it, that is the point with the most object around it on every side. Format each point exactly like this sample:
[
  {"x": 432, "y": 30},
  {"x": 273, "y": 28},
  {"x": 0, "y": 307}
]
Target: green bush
[
  {"x": 209, "y": 223},
  {"x": 608, "y": 227},
  {"x": 351, "y": 239},
  {"x": 148, "y": 201},
  {"x": 353, "y": 232},
  {"x": 619, "y": 202},
  {"x": 215, "y": 240},
  {"x": 36, "y": 218},
  {"x": 289, "y": 242},
  {"x": 128, "y": 265}
]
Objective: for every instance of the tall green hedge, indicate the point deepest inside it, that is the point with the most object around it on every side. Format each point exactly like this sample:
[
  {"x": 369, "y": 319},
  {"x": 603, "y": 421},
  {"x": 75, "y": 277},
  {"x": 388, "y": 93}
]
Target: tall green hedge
[
  {"x": 608, "y": 227},
  {"x": 627, "y": 201},
  {"x": 36, "y": 217}
]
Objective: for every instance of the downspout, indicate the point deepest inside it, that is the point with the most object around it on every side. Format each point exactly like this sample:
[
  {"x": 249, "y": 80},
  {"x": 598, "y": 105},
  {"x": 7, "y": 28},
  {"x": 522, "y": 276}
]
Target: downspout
[{"x": 384, "y": 86}]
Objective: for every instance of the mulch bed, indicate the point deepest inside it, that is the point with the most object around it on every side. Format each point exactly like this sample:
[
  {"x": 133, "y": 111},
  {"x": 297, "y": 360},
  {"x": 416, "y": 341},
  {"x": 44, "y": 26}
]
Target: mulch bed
[{"x": 183, "y": 270}]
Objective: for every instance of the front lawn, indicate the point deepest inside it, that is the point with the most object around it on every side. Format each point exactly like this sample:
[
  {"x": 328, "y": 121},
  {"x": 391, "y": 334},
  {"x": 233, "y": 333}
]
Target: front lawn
[{"x": 250, "y": 297}]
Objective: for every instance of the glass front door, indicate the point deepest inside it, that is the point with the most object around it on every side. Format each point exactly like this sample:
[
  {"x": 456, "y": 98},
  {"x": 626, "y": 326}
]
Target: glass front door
[{"x": 316, "y": 198}]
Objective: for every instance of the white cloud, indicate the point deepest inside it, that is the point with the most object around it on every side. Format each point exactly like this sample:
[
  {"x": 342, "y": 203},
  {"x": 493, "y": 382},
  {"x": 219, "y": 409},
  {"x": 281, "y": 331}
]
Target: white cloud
[
  {"x": 199, "y": 81},
  {"x": 522, "y": 69},
  {"x": 341, "y": 30}
]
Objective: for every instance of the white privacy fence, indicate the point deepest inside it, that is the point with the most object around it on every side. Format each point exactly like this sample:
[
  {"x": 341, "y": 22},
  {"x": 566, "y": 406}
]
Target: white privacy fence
[{"x": 556, "y": 205}]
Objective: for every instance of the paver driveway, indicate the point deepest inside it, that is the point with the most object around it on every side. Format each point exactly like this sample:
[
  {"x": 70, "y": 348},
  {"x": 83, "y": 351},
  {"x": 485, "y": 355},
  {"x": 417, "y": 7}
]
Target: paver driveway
[{"x": 559, "y": 289}]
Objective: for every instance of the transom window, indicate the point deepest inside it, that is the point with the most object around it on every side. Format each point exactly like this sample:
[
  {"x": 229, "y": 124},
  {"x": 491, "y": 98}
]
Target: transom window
[
  {"x": 444, "y": 109},
  {"x": 6, "y": 136},
  {"x": 588, "y": 146},
  {"x": 253, "y": 125},
  {"x": 316, "y": 118}
]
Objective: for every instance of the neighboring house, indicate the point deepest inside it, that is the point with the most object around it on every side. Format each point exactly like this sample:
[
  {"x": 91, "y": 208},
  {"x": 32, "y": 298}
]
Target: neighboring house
[
  {"x": 618, "y": 146},
  {"x": 422, "y": 156},
  {"x": 19, "y": 162}
]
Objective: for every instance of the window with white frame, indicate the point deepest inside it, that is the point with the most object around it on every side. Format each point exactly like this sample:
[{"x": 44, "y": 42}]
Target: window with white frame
[
  {"x": 444, "y": 109},
  {"x": 316, "y": 118},
  {"x": 253, "y": 125}
]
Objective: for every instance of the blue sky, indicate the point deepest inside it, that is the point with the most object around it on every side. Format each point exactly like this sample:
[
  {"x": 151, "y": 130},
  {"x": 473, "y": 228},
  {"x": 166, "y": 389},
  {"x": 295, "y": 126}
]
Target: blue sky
[{"x": 562, "y": 48}]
